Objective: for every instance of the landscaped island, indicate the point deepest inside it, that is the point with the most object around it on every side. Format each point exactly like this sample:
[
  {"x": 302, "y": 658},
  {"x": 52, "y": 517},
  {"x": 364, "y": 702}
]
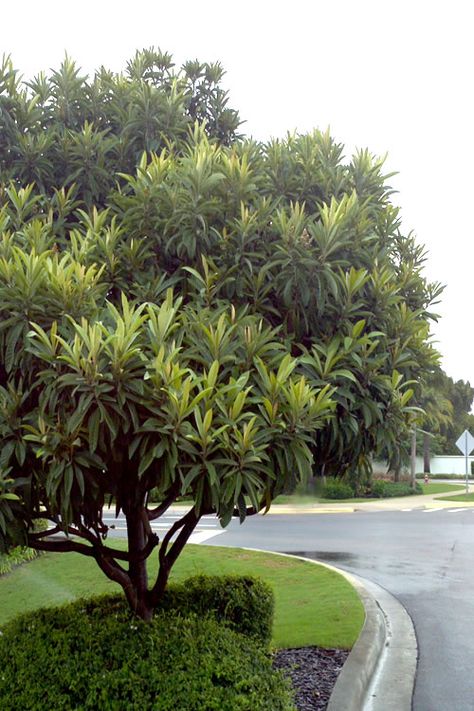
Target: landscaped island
[{"x": 184, "y": 313}]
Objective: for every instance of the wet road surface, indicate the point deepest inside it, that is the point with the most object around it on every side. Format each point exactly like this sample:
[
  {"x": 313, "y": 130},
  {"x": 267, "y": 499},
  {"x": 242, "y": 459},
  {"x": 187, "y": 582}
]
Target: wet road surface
[{"x": 425, "y": 560}]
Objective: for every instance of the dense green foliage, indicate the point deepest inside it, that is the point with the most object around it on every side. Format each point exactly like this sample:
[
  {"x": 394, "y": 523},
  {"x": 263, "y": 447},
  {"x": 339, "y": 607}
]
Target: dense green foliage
[
  {"x": 336, "y": 489},
  {"x": 64, "y": 130},
  {"x": 293, "y": 341},
  {"x": 243, "y": 603},
  {"x": 459, "y": 395},
  {"x": 388, "y": 489},
  {"x": 378, "y": 489},
  {"x": 97, "y": 655},
  {"x": 20, "y": 554},
  {"x": 17, "y": 556}
]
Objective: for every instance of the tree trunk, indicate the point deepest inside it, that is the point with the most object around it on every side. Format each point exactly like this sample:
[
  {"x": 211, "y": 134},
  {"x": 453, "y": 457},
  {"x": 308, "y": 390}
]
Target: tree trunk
[
  {"x": 169, "y": 551},
  {"x": 137, "y": 540},
  {"x": 394, "y": 466},
  {"x": 413, "y": 459},
  {"x": 396, "y": 471},
  {"x": 426, "y": 454}
]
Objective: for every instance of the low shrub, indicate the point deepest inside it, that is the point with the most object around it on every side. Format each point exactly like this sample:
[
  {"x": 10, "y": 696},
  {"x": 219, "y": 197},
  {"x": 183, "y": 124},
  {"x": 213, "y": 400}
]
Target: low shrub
[
  {"x": 337, "y": 489},
  {"x": 382, "y": 489},
  {"x": 17, "y": 556},
  {"x": 20, "y": 554},
  {"x": 245, "y": 604},
  {"x": 75, "y": 657}
]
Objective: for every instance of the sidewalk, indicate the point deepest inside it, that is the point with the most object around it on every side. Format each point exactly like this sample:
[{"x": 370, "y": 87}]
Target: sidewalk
[{"x": 421, "y": 501}]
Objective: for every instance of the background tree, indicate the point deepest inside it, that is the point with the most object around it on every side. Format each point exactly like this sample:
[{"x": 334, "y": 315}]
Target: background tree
[
  {"x": 438, "y": 412},
  {"x": 186, "y": 312},
  {"x": 453, "y": 410}
]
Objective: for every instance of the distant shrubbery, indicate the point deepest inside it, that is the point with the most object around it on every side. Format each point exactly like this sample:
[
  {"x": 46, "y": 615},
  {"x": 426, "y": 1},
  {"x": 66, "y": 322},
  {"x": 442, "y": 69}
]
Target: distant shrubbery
[
  {"x": 378, "y": 489},
  {"x": 337, "y": 489},
  {"x": 387, "y": 489}
]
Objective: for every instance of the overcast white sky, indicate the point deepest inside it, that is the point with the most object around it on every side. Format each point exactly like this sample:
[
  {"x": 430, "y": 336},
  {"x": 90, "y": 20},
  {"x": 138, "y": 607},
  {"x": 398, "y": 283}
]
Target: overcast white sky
[{"x": 395, "y": 77}]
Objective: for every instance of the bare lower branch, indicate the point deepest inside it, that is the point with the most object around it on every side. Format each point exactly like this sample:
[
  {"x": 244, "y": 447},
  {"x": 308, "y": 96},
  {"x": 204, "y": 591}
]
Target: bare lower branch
[
  {"x": 64, "y": 545},
  {"x": 96, "y": 548},
  {"x": 47, "y": 532},
  {"x": 103, "y": 556},
  {"x": 164, "y": 506},
  {"x": 249, "y": 511}
]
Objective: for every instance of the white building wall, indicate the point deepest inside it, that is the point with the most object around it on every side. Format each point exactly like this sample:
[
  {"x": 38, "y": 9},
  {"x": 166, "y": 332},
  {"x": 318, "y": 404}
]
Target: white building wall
[
  {"x": 440, "y": 464},
  {"x": 446, "y": 464}
]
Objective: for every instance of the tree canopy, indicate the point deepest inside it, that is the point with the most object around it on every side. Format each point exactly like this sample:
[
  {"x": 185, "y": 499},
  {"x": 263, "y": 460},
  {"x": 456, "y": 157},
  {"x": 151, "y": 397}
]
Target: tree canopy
[
  {"x": 184, "y": 311},
  {"x": 448, "y": 409}
]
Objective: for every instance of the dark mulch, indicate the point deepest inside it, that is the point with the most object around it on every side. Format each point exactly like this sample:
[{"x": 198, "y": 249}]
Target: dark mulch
[{"x": 313, "y": 673}]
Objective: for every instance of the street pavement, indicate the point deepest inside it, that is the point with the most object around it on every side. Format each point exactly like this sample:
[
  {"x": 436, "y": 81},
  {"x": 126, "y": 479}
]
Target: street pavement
[
  {"x": 424, "y": 559},
  {"x": 419, "y": 549}
]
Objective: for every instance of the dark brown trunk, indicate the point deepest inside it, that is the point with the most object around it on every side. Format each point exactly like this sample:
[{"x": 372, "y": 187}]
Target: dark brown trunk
[
  {"x": 395, "y": 466},
  {"x": 426, "y": 454},
  {"x": 167, "y": 557},
  {"x": 137, "y": 569}
]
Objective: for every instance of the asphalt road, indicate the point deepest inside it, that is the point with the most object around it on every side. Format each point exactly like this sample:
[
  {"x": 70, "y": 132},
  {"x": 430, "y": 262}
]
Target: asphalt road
[{"x": 425, "y": 559}]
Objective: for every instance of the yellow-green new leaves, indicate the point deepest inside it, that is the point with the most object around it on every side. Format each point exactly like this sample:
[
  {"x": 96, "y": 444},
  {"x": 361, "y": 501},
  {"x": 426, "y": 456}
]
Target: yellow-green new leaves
[{"x": 140, "y": 397}]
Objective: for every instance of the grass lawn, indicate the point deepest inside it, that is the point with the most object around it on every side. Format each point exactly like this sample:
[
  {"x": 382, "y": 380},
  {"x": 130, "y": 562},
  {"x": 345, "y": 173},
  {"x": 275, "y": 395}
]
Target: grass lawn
[
  {"x": 300, "y": 499},
  {"x": 439, "y": 488},
  {"x": 314, "y": 605},
  {"x": 458, "y": 497}
]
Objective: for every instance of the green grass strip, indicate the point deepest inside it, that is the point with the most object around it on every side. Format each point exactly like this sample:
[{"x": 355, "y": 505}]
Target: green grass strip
[
  {"x": 440, "y": 488},
  {"x": 307, "y": 499},
  {"x": 314, "y": 605},
  {"x": 458, "y": 497}
]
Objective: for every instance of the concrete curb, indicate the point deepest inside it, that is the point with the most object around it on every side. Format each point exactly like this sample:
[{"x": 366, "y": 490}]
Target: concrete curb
[
  {"x": 379, "y": 673},
  {"x": 350, "y": 691}
]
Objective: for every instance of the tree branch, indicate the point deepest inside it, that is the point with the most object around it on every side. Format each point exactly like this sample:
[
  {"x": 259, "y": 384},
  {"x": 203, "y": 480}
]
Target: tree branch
[
  {"x": 164, "y": 506},
  {"x": 249, "y": 511},
  {"x": 166, "y": 559},
  {"x": 64, "y": 545},
  {"x": 47, "y": 532},
  {"x": 96, "y": 548}
]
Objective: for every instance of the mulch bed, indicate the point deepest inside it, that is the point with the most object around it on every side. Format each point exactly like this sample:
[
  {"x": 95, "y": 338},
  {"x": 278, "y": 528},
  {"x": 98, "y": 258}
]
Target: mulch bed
[{"x": 313, "y": 673}]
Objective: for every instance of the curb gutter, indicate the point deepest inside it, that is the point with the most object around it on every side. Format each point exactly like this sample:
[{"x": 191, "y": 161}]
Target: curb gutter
[{"x": 379, "y": 674}]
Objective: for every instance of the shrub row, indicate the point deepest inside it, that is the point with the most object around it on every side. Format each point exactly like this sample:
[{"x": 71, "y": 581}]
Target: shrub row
[
  {"x": 337, "y": 489},
  {"x": 76, "y": 658},
  {"x": 379, "y": 489},
  {"x": 387, "y": 489},
  {"x": 95, "y": 654}
]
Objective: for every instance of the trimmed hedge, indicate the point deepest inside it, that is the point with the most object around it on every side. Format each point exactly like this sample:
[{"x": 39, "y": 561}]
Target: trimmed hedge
[
  {"x": 387, "y": 489},
  {"x": 75, "y": 657},
  {"x": 243, "y": 603},
  {"x": 379, "y": 489},
  {"x": 337, "y": 489}
]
